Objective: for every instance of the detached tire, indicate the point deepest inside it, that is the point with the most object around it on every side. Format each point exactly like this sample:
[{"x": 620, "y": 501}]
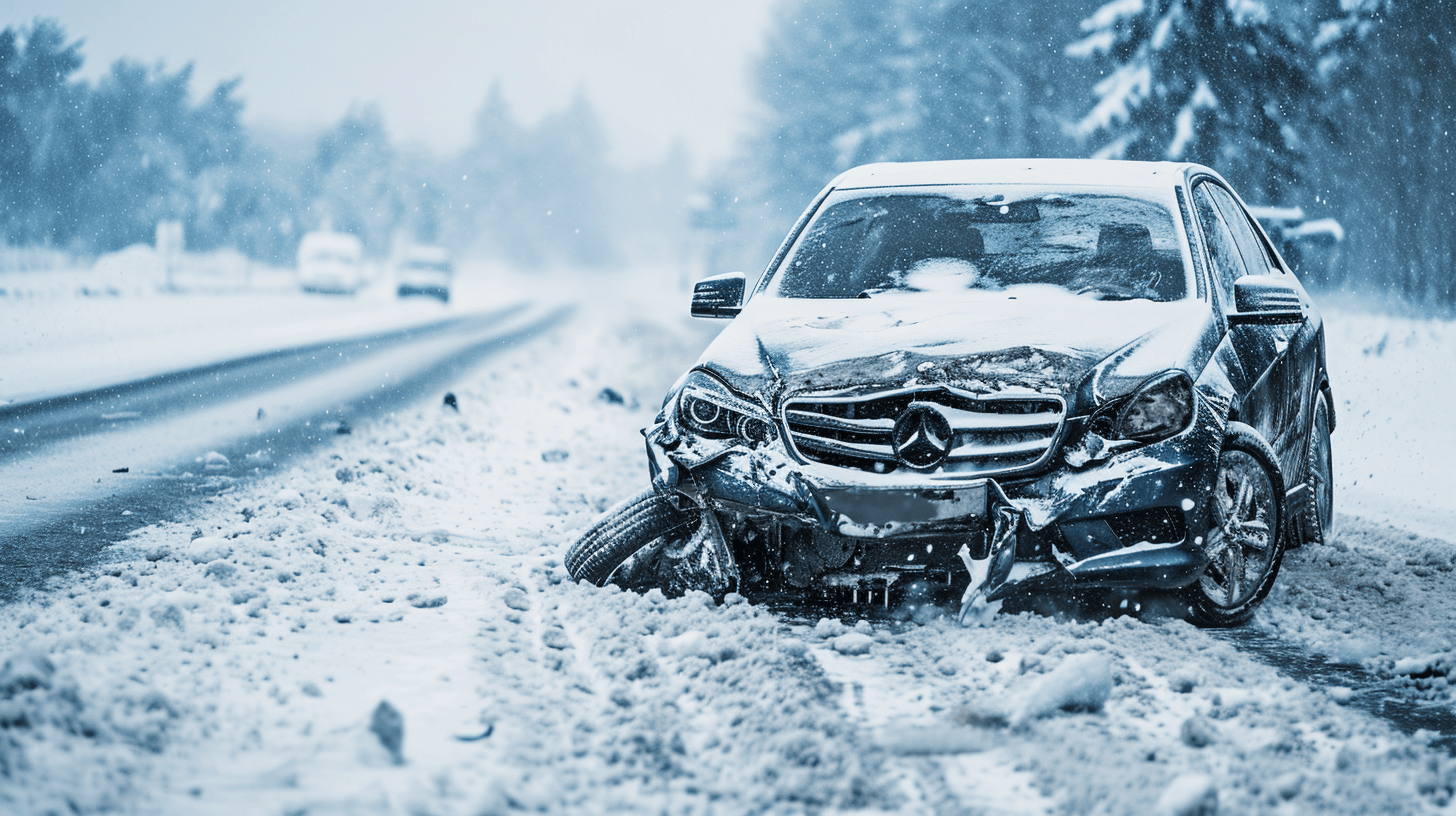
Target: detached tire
[
  {"x": 622, "y": 531},
  {"x": 1246, "y": 543},
  {"x": 1319, "y": 511}
]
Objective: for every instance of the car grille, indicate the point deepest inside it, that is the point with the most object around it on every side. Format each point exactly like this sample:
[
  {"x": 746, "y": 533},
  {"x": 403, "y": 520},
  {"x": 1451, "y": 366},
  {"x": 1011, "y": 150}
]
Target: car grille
[{"x": 990, "y": 434}]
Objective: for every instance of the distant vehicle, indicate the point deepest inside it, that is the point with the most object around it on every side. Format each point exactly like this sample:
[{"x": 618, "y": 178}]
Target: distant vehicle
[
  {"x": 424, "y": 270},
  {"x": 994, "y": 377},
  {"x": 330, "y": 262}
]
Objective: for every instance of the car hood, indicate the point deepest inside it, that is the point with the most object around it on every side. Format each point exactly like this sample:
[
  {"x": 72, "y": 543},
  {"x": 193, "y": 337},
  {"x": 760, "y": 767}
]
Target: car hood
[{"x": 1038, "y": 338}]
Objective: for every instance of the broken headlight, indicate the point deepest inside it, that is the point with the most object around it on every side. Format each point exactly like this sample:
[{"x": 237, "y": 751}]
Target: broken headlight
[
  {"x": 1158, "y": 409},
  {"x": 708, "y": 408}
]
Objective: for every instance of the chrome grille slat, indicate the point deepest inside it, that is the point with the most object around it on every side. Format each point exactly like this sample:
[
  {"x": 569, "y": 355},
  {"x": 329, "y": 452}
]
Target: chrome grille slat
[
  {"x": 972, "y": 421},
  {"x": 841, "y": 423},
  {"x": 976, "y": 451},
  {"x": 879, "y": 452},
  {"x": 993, "y": 435}
]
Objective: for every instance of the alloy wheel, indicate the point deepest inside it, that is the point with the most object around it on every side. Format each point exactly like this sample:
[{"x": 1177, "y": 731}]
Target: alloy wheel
[{"x": 1241, "y": 545}]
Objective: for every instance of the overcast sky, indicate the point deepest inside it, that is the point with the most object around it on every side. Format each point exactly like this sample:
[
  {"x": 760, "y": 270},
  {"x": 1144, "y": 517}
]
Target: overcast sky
[{"x": 655, "y": 69}]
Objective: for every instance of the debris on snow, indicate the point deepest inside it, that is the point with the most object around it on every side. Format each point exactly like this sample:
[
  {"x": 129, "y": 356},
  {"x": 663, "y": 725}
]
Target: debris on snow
[
  {"x": 1191, "y": 794},
  {"x": 388, "y": 725},
  {"x": 1197, "y": 732},
  {"x": 24, "y": 672},
  {"x": 420, "y": 600},
  {"x": 852, "y": 643},
  {"x": 1082, "y": 682},
  {"x": 694, "y": 643},
  {"x": 206, "y": 549},
  {"x": 554, "y": 455},
  {"x": 611, "y": 396},
  {"x": 829, "y": 628},
  {"x": 451, "y": 401}
]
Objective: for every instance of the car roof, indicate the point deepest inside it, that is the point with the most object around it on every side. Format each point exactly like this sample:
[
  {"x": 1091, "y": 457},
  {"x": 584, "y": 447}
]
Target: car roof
[{"x": 1093, "y": 172}]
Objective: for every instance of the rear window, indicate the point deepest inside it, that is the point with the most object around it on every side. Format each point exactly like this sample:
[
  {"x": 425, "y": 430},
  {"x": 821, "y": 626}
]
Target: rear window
[{"x": 1110, "y": 244}]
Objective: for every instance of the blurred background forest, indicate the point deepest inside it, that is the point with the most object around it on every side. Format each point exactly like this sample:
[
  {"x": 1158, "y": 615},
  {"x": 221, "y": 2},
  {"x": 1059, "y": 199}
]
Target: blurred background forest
[{"x": 1341, "y": 107}]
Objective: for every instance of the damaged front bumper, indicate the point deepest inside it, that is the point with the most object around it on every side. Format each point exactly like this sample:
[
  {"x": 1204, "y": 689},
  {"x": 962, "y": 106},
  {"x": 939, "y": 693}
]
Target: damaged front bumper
[{"x": 1130, "y": 519}]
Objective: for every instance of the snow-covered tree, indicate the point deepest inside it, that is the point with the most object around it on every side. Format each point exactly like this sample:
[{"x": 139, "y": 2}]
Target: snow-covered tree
[
  {"x": 1391, "y": 70},
  {"x": 1229, "y": 83},
  {"x": 845, "y": 83}
]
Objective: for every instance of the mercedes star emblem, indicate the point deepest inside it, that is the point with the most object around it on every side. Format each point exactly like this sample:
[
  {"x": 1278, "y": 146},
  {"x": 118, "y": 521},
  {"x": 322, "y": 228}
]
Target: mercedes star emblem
[{"x": 922, "y": 436}]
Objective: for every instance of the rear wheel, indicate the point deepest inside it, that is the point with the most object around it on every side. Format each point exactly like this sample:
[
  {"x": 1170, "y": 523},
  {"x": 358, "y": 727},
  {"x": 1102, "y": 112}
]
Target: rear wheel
[
  {"x": 1246, "y": 543},
  {"x": 1319, "y": 511},
  {"x": 624, "y": 530}
]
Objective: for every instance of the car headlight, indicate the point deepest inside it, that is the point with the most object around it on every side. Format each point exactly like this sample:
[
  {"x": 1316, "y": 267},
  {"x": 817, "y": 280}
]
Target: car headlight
[
  {"x": 1158, "y": 409},
  {"x": 706, "y": 407}
]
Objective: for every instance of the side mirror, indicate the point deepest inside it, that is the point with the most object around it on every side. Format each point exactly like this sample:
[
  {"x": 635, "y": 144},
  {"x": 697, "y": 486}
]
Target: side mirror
[
  {"x": 719, "y": 296},
  {"x": 1265, "y": 300}
]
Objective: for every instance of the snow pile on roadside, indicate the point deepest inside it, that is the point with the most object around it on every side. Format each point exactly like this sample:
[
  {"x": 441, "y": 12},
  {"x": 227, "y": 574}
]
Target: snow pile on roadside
[{"x": 1378, "y": 594}]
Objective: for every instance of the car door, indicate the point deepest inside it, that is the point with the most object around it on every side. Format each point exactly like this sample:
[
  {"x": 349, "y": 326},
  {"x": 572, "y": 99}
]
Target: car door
[
  {"x": 1281, "y": 392},
  {"x": 1260, "y": 350}
]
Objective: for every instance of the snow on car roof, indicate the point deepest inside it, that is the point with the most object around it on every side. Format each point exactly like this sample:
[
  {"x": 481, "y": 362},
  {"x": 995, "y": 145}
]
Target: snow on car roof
[{"x": 1095, "y": 172}]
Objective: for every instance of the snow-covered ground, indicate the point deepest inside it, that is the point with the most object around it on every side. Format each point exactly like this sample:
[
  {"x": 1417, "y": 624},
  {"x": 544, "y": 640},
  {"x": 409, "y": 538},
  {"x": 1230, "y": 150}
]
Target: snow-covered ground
[{"x": 386, "y": 627}]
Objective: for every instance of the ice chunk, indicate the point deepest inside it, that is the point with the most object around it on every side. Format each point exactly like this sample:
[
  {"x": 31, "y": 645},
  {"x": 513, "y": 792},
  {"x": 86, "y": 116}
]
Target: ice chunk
[
  {"x": 852, "y": 643},
  {"x": 1082, "y": 683},
  {"x": 828, "y": 628},
  {"x": 207, "y": 548},
  {"x": 694, "y": 643},
  {"x": 423, "y": 600},
  {"x": 1191, "y": 794}
]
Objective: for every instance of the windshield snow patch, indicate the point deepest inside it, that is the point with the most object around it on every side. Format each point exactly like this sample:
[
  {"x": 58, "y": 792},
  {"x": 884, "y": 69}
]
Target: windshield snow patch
[{"x": 1110, "y": 245}]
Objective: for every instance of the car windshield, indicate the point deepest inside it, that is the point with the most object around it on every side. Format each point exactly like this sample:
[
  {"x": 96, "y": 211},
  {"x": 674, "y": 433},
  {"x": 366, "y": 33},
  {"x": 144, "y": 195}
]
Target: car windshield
[{"x": 1109, "y": 244}]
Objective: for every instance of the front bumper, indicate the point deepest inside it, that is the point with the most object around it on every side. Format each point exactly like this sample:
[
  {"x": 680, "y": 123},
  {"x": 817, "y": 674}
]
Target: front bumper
[{"x": 1134, "y": 519}]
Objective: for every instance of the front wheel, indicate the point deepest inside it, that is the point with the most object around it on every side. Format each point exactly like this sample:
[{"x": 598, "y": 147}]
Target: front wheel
[
  {"x": 624, "y": 530},
  {"x": 1245, "y": 546}
]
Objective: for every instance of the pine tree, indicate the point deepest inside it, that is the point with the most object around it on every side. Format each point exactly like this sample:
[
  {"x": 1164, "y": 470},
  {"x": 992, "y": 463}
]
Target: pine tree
[{"x": 1228, "y": 83}]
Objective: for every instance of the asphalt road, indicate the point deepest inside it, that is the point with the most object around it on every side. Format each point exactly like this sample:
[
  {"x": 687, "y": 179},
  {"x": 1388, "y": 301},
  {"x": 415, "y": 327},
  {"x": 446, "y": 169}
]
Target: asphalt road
[{"x": 81, "y": 471}]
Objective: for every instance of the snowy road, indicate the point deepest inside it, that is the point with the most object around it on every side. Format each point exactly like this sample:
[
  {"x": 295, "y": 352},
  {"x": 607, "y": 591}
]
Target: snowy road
[
  {"x": 69, "y": 464},
  {"x": 382, "y": 624}
]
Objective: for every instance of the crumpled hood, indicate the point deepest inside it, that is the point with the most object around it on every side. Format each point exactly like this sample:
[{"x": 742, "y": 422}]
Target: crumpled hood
[{"x": 1040, "y": 338}]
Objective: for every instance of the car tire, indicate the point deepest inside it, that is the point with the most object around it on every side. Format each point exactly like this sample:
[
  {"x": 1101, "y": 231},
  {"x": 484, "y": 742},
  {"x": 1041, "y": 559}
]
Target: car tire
[
  {"x": 1319, "y": 510},
  {"x": 1248, "y": 512},
  {"x": 622, "y": 531}
]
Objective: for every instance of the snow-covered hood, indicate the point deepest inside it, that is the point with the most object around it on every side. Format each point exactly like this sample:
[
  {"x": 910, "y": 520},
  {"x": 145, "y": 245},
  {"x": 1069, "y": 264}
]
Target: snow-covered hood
[{"x": 1041, "y": 338}]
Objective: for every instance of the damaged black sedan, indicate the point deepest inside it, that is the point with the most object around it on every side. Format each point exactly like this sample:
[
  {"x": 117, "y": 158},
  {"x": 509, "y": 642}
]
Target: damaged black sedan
[{"x": 995, "y": 377}]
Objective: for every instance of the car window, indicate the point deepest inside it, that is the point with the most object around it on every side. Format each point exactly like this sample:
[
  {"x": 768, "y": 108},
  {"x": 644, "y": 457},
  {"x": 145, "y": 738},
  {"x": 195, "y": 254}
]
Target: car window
[
  {"x": 1223, "y": 253},
  {"x": 1251, "y": 249},
  {"x": 1115, "y": 244}
]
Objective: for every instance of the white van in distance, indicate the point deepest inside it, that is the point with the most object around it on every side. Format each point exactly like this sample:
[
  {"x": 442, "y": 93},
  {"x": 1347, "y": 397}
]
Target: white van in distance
[{"x": 330, "y": 262}]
